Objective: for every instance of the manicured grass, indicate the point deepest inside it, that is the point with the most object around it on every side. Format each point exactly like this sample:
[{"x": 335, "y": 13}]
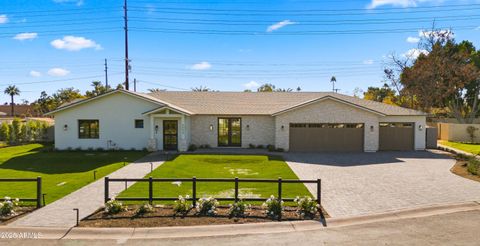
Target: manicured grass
[
  {"x": 221, "y": 166},
  {"x": 61, "y": 172},
  {"x": 471, "y": 148}
]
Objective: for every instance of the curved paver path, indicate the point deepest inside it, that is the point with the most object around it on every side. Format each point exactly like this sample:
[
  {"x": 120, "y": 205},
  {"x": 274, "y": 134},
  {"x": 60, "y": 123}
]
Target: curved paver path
[
  {"x": 365, "y": 183},
  {"x": 87, "y": 199}
]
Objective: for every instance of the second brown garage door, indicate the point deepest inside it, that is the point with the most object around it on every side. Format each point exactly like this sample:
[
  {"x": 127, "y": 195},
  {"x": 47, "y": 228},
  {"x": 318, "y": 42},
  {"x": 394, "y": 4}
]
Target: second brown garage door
[
  {"x": 396, "y": 136},
  {"x": 308, "y": 137}
]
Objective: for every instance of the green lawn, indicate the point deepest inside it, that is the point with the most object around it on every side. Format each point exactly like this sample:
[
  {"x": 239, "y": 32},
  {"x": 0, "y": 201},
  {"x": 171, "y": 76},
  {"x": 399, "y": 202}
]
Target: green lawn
[
  {"x": 61, "y": 172},
  {"x": 471, "y": 148},
  {"x": 220, "y": 166}
]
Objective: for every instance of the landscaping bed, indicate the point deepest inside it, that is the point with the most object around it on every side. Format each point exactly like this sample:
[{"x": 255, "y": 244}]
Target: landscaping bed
[
  {"x": 461, "y": 169},
  {"x": 19, "y": 212},
  {"x": 163, "y": 216}
]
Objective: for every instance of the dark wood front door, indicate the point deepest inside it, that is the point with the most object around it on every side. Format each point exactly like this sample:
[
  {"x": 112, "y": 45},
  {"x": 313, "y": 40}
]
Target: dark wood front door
[
  {"x": 170, "y": 135},
  {"x": 229, "y": 132}
]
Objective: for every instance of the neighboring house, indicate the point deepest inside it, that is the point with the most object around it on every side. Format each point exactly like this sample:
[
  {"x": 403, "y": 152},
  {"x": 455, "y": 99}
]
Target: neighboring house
[
  {"x": 20, "y": 110},
  {"x": 295, "y": 121}
]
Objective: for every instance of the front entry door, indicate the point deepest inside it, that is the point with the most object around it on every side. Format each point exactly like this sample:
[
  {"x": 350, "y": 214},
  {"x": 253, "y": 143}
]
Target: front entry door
[
  {"x": 230, "y": 132},
  {"x": 170, "y": 135}
]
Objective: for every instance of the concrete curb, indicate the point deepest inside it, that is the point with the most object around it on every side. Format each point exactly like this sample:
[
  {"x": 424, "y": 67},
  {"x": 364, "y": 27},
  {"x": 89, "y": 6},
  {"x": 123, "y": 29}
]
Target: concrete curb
[
  {"x": 239, "y": 229},
  {"x": 453, "y": 150}
]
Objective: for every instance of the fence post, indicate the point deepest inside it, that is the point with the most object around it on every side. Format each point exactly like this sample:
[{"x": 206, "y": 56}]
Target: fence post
[
  {"x": 150, "y": 190},
  {"x": 319, "y": 191},
  {"x": 194, "y": 191},
  {"x": 106, "y": 198},
  {"x": 280, "y": 195},
  {"x": 236, "y": 189},
  {"x": 39, "y": 192}
]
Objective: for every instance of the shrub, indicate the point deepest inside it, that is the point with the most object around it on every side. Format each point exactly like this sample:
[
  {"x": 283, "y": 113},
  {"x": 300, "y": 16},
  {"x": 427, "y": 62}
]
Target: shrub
[
  {"x": 100, "y": 149},
  {"x": 207, "y": 146},
  {"x": 473, "y": 166},
  {"x": 5, "y": 132},
  {"x": 144, "y": 209},
  {"x": 273, "y": 207},
  {"x": 181, "y": 205},
  {"x": 238, "y": 209},
  {"x": 471, "y": 133},
  {"x": 271, "y": 148},
  {"x": 251, "y": 146},
  {"x": 114, "y": 207},
  {"x": 279, "y": 150},
  {"x": 192, "y": 147},
  {"x": 306, "y": 207},
  {"x": 260, "y": 146},
  {"x": 8, "y": 206},
  {"x": 207, "y": 206}
]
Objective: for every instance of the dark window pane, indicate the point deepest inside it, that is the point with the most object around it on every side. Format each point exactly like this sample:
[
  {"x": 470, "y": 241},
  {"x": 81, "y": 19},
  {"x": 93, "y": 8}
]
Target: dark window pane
[
  {"x": 138, "y": 123},
  {"x": 88, "y": 129}
]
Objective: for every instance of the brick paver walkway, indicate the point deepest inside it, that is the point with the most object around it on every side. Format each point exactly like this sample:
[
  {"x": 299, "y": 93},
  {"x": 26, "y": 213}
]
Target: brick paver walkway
[
  {"x": 87, "y": 199},
  {"x": 365, "y": 183}
]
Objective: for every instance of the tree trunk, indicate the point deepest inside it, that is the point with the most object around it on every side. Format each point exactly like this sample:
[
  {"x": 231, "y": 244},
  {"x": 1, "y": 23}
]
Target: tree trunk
[{"x": 13, "y": 111}]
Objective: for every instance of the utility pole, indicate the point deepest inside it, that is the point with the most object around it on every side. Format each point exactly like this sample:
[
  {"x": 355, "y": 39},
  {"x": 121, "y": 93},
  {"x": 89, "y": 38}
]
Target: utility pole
[
  {"x": 106, "y": 74},
  {"x": 135, "y": 85},
  {"x": 127, "y": 66}
]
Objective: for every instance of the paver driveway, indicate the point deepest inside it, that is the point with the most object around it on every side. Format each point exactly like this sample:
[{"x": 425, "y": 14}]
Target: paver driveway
[{"x": 365, "y": 183}]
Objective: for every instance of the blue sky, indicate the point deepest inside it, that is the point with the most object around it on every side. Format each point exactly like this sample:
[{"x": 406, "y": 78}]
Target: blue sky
[{"x": 224, "y": 45}]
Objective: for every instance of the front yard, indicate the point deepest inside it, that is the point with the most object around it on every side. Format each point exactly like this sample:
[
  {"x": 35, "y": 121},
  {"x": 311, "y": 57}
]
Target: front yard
[
  {"x": 221, "y": 166},
  {"x": 62, "y": 172},
  {"x": 470, "y": 148}
]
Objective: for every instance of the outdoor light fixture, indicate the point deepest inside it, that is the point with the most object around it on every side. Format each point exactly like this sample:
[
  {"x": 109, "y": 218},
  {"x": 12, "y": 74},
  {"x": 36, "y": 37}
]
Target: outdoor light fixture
[
  {"x": 156, "y": 129},
  {"x": 211, "y": 127},
  {"x": 65, "y": 127},
  {"x": 248, "y": 127},
  {"x": 283, "y": 127},
  {"x": 420, "y": 127},
  {"x": 371, "y": 128}
]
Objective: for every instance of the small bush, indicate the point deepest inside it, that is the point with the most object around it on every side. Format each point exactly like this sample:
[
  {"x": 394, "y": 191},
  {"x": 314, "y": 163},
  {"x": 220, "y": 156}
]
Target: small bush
[
  {"x": 144, "y": 209},
  {"x": 306, "y": 207},
  {"x": 471, "y": 133},
  {"x": 473, "y": 166},
  {"x": 100, "y": 149},
  {"x": 238, "y": 209},
  {"x": 90, "y": 149},
  {"x": 78, "y": 149},
  {"x": 251, "y": 146},
  {"x": 271, "y": 148},
  {"x": 273, "y": 208},
  {"x": 207, "y": 206},
  {"x": 8, "y": 206},
  {"x": 279, "y": 150},
  {"x": 260, "y": 146},
  {"x": 181, "y": 205},
  {"x": 192, "y": 147},
  {"x": 114, "y": 207},
  {"x": 207, "y": 146}
]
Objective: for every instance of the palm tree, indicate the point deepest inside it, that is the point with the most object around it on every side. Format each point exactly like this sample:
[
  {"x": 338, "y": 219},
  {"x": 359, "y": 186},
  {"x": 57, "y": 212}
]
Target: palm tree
[
  {"x": 333, "y": 80},
  {"x": 12, "y": 91}
]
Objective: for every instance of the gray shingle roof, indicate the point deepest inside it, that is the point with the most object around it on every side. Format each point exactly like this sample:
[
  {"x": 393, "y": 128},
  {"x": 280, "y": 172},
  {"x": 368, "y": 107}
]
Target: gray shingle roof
[{"x": 266, "y": 103}]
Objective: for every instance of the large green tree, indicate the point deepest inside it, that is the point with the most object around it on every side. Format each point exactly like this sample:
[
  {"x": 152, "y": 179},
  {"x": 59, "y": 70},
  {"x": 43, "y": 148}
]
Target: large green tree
[
  {"x": 12, "y": 91},
  {"x": 98, "y": 89},
  {"x": 383, "y": 94}
]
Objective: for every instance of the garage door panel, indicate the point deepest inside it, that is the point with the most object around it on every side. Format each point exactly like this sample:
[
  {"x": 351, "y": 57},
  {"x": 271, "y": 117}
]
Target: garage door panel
[
  {"x": 326, "y": 139},
  {"x": 396, "y": 136}
]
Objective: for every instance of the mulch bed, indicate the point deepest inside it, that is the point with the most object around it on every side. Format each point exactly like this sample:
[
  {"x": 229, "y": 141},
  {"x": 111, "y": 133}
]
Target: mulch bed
[
  {"x": 20, "y": 211},
  {"x": 164, "y": 217},
  {"x": 460, "y": 169}
]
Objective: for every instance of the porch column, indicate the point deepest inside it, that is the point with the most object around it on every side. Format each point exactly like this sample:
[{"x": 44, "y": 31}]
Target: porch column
[{"x": 152, "y": 127}]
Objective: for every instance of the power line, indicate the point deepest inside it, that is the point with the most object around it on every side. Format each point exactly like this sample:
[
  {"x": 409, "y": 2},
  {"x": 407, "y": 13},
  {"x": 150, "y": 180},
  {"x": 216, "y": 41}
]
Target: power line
[
  {"x": 163, "y": 85},
  {"x": 54, "y": 81}
]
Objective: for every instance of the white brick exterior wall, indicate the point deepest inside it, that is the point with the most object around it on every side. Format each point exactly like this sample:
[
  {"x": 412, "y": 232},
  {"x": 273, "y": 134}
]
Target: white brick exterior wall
[
  {"x": 327, "y": 111},
  {"x": 260, "y": 130}
]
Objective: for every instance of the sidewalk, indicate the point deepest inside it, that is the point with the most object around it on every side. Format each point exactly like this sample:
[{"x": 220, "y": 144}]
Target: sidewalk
[{"x": 87, "y": 199}]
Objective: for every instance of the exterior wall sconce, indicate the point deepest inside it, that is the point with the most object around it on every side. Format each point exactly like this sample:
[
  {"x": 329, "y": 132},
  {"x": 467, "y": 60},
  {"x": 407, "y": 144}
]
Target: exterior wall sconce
[
  {"x": 371, "y": 128},
  {"x": 420, "y": 127},
  {"x": 283, "y": 127},
  {"x": 211, "y": 127},
  {"x": 65, "y": 127},
  {"x": 156, "y": 129},
  {"x": 248, "y": 127}
]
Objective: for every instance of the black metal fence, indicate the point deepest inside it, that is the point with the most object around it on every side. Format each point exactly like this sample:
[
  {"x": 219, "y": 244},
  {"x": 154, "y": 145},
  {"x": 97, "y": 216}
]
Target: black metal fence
[
  {"x": 236, "y": 182},
  {"x": 38, "y": 180}
]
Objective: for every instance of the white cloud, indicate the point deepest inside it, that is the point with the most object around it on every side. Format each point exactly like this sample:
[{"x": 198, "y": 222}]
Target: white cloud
[
  {"x": 413, "y": 40},
  {"x": 251, "y": 85},
  {"x": 72, "y": 43},
  {"x": 58, "y": 72},
  {"x": 279, "y": 25},
  {"x": 34, "y": 73},
  {"x": 77, "y": 2},
  {"x": 26, "y": 36},
  {"x": 414, "y": 53},
  {"x": 3, "y": 19},
  {"x": 368, "y": 62},
  {"x": 201, "y": 66},
  {"x": 399, "y": 3}
]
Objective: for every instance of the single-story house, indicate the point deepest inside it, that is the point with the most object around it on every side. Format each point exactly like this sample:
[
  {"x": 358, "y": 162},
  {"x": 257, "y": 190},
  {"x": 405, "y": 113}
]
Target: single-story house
[{"x": 293, "y": 121}]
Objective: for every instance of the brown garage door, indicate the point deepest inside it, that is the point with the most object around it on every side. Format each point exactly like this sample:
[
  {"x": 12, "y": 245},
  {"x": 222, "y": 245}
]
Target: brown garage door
[
  {"x": 308, "y": 137},
  {"x": 396, "y": 136}
]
